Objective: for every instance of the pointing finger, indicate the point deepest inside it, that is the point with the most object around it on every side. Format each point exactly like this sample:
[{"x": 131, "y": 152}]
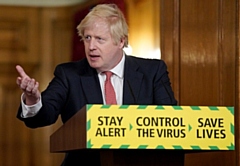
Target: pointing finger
[{"x": 21, "y": 71}]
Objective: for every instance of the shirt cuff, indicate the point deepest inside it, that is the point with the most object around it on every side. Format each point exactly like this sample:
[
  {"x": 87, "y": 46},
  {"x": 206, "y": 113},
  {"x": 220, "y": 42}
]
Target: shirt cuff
[{"x": 30, "y": 110}]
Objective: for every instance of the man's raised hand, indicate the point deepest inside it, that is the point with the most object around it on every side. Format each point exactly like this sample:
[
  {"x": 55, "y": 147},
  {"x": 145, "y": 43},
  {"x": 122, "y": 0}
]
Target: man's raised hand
[{"x": 28, "y": 85}]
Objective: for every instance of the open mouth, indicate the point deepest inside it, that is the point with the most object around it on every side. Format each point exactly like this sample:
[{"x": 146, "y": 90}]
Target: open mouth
[{"x": 94, "y": 57}]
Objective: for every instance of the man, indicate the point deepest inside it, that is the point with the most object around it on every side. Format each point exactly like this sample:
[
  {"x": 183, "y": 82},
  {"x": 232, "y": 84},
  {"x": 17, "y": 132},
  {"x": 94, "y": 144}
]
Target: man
[{"x": 136, "y": 81}]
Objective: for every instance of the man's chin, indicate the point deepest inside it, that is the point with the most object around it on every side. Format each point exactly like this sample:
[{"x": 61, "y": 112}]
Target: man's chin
[{"x": 95, "y": 65}]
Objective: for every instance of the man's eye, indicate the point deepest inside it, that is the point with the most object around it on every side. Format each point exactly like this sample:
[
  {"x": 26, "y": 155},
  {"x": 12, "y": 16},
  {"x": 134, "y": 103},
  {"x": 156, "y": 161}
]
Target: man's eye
[
  {"x": 100, "y": 40},
  {"x": 87, "y": 37}
]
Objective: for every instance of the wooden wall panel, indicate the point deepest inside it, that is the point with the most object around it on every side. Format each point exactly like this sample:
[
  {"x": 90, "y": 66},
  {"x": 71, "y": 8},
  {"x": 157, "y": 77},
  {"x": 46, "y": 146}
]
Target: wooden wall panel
[
  {"x": 237, "y": 86},
  {"x": 199, "y": 48},
  {"x": 199, "y": 44},
  {"x": 18, "y": 34},
  {"x": 228, "y": 45},
  {"x": 18, "y": 28},
  {"x": 207, "y": 49},
  {"x": 38, "y": 39},
  {"x": 170, "y": 48},
  {"x": 143, "y": 19}
]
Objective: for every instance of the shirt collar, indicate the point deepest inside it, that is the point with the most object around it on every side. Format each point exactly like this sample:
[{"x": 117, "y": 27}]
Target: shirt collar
[{"x": 119, "y": 68}]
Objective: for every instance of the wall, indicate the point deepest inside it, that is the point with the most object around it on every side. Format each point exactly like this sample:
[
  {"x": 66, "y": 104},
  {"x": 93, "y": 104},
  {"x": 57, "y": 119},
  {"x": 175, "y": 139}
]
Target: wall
[
  {"x": 37, "y": 38},
  {"x": 199, "y": 42},
  {"x": 144, "y": 28},
  {"x": 46, "y": 3}
]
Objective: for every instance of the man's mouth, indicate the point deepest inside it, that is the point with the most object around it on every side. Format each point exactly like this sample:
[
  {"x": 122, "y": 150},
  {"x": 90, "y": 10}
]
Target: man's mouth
[{"x": 94, "y": 57}]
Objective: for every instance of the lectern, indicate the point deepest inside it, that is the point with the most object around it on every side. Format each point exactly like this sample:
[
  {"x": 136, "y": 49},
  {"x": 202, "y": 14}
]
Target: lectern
[{"x": 143, "y": 135}]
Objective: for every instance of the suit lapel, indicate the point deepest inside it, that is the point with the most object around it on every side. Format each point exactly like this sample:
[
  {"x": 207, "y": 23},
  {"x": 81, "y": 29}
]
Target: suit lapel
[
  {"x": 132, "y": 82},
  {"x": 91, "y": 86}
]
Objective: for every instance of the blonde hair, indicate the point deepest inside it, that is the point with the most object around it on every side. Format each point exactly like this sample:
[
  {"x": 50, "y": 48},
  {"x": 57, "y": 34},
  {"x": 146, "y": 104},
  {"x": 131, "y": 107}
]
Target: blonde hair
[{"x": 114, "y": 18}]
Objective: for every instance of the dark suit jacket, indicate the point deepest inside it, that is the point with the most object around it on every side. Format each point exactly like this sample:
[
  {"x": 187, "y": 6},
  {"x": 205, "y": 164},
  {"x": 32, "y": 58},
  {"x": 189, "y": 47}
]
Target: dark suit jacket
[{"x": 76, "y": 84}]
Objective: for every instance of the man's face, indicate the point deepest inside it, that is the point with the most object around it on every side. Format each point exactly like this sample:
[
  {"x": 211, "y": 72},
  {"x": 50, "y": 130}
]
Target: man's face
[{"x": 101, "y": 51}]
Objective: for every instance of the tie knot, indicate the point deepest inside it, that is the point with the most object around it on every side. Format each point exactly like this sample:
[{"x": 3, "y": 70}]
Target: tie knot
[{"x": 108, "y": 74}]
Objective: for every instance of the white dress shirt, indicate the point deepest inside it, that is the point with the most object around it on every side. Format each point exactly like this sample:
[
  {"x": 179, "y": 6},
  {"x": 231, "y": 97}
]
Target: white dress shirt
[{"x": 116, "y": 79}]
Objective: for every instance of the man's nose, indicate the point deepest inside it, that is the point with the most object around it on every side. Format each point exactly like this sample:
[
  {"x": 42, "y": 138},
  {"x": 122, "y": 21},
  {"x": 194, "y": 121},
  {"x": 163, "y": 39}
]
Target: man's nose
[{"x": 92, "y": 44}]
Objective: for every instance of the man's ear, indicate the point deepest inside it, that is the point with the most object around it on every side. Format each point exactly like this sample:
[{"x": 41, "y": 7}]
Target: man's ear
[{"x": 121, "y": 43}]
